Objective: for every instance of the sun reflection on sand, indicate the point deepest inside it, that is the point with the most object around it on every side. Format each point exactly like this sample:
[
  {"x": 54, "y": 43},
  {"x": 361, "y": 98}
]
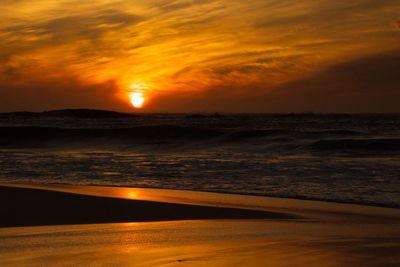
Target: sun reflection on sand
[{"x": 200, "y": 243}]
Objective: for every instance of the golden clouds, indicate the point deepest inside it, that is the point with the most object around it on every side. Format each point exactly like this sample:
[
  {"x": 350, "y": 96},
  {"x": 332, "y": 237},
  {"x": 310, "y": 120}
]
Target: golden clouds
[{"x": 188, "y": 48}]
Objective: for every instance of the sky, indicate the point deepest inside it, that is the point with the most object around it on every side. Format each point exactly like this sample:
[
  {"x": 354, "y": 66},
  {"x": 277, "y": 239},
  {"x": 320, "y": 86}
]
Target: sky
[{"x": 201, "y": 55}]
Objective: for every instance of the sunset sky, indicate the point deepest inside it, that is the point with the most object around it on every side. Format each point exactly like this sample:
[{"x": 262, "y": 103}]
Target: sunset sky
[{"x": 201, "y": 55}]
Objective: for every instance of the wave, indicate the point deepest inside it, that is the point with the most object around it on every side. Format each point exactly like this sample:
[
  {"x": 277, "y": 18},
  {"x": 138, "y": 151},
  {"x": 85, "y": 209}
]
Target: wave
[
  {"x": 42, "y": 136},
  {"x": 279, "y": 139},
  {"x": 362, "y": 145},
  {"x": 249, "y": 134},
  {"x": 288, "y": 135},
  {"x": 328, "y": 133}
]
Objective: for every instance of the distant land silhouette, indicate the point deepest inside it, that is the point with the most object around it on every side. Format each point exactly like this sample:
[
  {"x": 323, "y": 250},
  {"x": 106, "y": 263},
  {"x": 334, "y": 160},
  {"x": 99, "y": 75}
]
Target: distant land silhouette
[
  {"x": 78, "y": 113},
  {"x": 97, "y": 113}
]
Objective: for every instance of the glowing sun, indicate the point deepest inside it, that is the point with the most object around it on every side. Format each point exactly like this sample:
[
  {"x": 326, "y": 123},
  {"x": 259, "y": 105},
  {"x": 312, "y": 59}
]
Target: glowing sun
[{"x": 137, "y": 99}]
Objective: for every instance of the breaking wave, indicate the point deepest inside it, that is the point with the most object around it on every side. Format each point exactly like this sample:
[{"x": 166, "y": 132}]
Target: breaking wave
[
  {"x": 42, "y": 136},
  {"x": 362, "y": 145}
]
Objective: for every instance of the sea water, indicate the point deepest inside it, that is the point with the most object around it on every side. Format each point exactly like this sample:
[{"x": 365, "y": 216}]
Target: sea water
[{"x": 330, "y": 157}]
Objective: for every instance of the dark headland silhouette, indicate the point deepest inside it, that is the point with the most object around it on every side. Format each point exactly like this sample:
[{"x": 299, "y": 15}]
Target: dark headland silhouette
[{"x": 78, "y": 113}]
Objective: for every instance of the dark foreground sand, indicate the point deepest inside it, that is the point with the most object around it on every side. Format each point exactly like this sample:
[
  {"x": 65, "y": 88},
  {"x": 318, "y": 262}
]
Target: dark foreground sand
[
  {"x": 174, "y": 228},
  {"x": 30, "y": 207}
]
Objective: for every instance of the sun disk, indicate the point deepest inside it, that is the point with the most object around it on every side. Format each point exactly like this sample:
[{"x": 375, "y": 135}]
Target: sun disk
[{"x": 137, "y": 99}]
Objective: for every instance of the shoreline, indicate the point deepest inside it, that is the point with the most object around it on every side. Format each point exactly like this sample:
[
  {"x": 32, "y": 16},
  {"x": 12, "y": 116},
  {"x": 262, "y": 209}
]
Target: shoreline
[
  {"x": 273, "y": 207},
  {"x": 36, "y": 207}
]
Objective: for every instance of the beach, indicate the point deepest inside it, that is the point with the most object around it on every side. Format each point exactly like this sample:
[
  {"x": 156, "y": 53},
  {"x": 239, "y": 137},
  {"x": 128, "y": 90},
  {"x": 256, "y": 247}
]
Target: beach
[
  {"x": 199, "y": 133},
  {"x": 103, "y": 226}
]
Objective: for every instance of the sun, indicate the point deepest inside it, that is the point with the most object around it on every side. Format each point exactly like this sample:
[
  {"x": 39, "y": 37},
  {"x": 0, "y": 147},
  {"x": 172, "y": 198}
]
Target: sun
[
  {"x": 137, "y": 99},
  {"x": 137, "y": 96}
]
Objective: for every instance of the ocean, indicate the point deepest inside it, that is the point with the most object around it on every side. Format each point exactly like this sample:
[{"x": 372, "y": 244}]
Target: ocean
[{"x": 329, "y": 157}]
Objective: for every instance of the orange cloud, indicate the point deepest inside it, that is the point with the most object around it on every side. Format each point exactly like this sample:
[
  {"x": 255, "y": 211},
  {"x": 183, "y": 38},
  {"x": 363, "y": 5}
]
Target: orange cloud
[{"x": 194, "y": 50}]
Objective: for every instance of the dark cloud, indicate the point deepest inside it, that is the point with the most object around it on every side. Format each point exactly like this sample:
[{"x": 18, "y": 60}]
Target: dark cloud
[
  {"x": 369, "y": 84},
  {"x": 263, "y": 66},
  {"x": 173, "y": 6},
  {"x": 76, "y": 27},
  {"x": 333, "y": 20},
  {"x": 82, "y": 27},
  {"x": 267, "y": 70},
  {"x": 27, "y": 38},
  {"x": 274, "y": 59},
  {"x": 17, "y": 72},
  {"x": 170, "y": 6},
  {"x": 396, "y": 24},
  {"x": 240, "y": 69}
]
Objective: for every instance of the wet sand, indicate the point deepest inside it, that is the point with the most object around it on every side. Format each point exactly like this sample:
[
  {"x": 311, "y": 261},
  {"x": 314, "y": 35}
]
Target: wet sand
[{"x": 189, "y": 229}]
